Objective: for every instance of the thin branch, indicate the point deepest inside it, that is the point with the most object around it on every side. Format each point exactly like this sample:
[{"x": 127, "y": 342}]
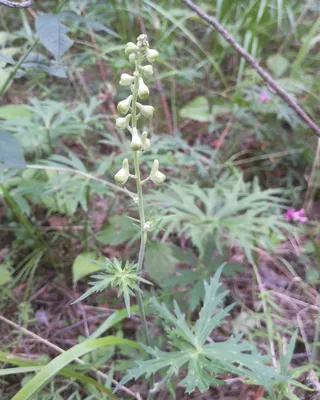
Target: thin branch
[
  {"x": 86, "y": 175},
  {"x": 23, "y": 4},
  {"x": 255, "y": 65}
]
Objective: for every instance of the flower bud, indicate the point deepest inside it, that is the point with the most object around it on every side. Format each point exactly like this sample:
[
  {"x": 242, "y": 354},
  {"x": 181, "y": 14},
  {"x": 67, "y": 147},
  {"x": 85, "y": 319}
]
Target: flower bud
[
  {"x": 156, "y": 176},
  {"x": 123, "y": 174},
  {"x": 124, "y": 105},
  {"x": 147, "y": 71},
  {"x": 131, "y": 48},
  {"x": 136, "y": 143},
  {"x": 143, "y": 91},
  {"x": 126, "y": 80},
  {"x": 152, "y": 55},
  {"x": 145, "y": 141},
  {"x": 132, "y": 58},
  {"x": 122, "y": 123},
  {"x": 146, "y": 111}
]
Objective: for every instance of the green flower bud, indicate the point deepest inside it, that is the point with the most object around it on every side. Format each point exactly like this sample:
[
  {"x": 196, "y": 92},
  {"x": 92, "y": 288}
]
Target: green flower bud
[
  {"x": 143, "y": 91},
  {"x": 122, "y": 123},
  {"x": 131, "y": 48},
  {"x": 136, "y": 143},
  {"x": 124, "y": 105},
  {"x": 146, "y": 111},
  {"x": 156, "y": 176},
  {"x": 126, "y": 80},
  {"x": 123, "y": 174},
  {"x": 142, "y": 41},
  {"x": 147, "y": 71},
  {"x": 132, "y": 58},
  {"x": 145, "y": 141},
  {"x": 152, "y": 55}
]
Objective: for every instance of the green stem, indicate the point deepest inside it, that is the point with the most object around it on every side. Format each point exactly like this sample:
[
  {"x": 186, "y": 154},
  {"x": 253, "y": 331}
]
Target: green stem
[
  {"x": 16, "y": 67},
  {"x": 140, "y": 202}
]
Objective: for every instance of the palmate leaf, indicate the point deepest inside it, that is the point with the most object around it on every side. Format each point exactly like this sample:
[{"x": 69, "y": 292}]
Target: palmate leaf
[
  {"x": 202, "y": 269},
  {"x": 124, "y": 277},
  {"x": 204, "y": 361},
  {"x": 232, "y": 210}
]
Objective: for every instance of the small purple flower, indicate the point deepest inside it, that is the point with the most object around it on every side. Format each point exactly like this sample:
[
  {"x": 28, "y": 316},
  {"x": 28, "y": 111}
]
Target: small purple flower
[
  {"x": 264, "y": 97},
  {"x": 296, "y": 215},
  {"x": 41, "y": 317}
]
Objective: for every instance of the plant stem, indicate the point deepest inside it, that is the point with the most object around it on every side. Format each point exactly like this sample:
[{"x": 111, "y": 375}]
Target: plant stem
[
  {"x": 140, "y": 202},
  {"x": 16, "y": 67}
]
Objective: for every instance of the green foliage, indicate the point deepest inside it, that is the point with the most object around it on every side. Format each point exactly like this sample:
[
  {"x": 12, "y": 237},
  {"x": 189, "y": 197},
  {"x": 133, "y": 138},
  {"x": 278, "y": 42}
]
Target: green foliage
[
  {"x": 52, "y": 34},
  {"x": 200, "y": 79},
  {"x": 5, "y": 273},
  {"x": 124, "y": 277},
  {"x": 204, "y": 360},
  {"x": 64, "y": 359},
  {"x": 120, "y": 229},
  {"x": 160, "y": 261},
  {"x": 233, "y": 211},
  {"x": 49, "y": 121},
  {"x": 202, "y": 268},
  {"x": 11, "y": 154},
  {"x": 85, "y": 264},
  {"x": 197, "y": 109}
]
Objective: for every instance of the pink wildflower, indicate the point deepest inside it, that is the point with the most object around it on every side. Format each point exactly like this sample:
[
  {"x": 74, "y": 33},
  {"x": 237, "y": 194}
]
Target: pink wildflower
[
  {"x": 296, "y": 215},
  {"x": 264, "y": 97}
]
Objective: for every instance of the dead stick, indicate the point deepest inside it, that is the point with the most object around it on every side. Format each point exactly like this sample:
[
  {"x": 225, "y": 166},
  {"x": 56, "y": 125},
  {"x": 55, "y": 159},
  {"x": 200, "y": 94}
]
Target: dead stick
[{"x": 255, "y": 65}]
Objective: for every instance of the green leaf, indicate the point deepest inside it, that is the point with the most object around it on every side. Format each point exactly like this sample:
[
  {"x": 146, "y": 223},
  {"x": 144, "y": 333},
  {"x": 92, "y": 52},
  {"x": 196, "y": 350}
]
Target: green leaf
[
  {"x": 35, "y": 366},
  {"x": 6, "y": 59},
  {"x": 85, "y": 264},
  {"x": 11, "y": 153},
  {"x": 96, "y": 26},
  {"x": 120, "y": 230},
  {"x": 312, "y": 274},
  {"x": 4, "y": 75},
  {"x": 5, "y": 274},
  {"x": 19, "y": 370},
  {"x": 278, "y": 65},
  {"x": 190, "y": 347},
  {"x": 197, "y": 109},
  {"x": 123, "y": 276},
  {"x": 159, "y": 261},
  {"x": 14, "y": 112},
  {"x": 52, "y": 34},
  {"x": 306, "y": 46},
  {"x": 38, "y": 61},
  {"x": 202, "y": 269},
  {"x": 48, "y": 372}
]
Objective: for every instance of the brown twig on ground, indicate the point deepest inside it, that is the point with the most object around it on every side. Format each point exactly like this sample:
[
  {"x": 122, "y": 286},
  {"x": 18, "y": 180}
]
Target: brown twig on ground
[
  {"x": 224, "y": 133},
  {"x": 255, "y": 65},
  {"x": 164, "y": 104}
]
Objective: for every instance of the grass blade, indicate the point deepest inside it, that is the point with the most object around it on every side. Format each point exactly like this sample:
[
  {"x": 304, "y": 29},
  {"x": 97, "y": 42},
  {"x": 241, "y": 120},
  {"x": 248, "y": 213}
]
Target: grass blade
[{"x": 57, "y": 364}]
